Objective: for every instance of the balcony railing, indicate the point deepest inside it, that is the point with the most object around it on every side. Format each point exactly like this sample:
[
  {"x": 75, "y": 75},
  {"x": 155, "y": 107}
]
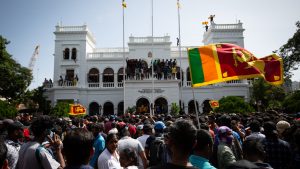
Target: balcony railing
[
  {"x": 121, "y": 85},
  {"x": 94, "y": 85},
  {"x": 149, "y": 39},
  {"x": 108, "y": 84}
]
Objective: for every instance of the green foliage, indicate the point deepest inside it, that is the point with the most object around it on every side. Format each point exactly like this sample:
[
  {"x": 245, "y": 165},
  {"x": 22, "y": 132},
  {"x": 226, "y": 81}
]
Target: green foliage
[
  {"x": 290, "y": 52},
  {"x": 291, "y": 103},
  {"x": 267, "y": 96},
  {"x": 7, "y": 110},
  {"x": 234, "y": 104},
  {"x": 175, "y": 109},
  {"x": 131, "y": 109},
  {"x": 61, "y": 109},
  {"x": 14, "y": 78}
]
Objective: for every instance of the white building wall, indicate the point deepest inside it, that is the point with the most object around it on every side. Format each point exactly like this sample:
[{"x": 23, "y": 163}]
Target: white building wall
[{"x": 88, "y": 57}]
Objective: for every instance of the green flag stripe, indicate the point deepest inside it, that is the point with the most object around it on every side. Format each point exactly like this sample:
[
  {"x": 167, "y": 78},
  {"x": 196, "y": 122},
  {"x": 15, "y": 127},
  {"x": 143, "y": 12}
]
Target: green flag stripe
[{"x": 196, "y": 68}]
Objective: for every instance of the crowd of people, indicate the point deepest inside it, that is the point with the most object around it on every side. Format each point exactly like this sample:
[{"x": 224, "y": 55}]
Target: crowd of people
[
  {"x": 224, "y": 141},
  {"x": 163, "y": 69}
]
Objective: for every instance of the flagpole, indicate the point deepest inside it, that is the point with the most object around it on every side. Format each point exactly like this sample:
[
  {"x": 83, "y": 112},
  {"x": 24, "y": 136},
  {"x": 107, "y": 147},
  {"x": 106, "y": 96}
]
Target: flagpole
[
  {"x": 196, "y": 107},
  {"x": 152, "y": 104},
  {"x": 123, "y": 6},
  {"x": 179, "y": 36}
]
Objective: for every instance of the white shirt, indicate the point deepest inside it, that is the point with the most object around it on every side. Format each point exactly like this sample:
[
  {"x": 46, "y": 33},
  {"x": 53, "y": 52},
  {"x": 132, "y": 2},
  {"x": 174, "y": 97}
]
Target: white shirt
[
  {"x": 27, "y": 157},
  {"x": 142, "y": 139},
  {"x": 128, "y": 142},
  {"x": 13, "y": 149},
  {"x": 107, "y": 161}
]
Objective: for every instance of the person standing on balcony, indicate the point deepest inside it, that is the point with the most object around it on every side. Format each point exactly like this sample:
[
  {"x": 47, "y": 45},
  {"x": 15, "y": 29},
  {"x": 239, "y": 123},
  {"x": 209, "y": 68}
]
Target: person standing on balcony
[
  {"x": 60, "y": 81},
  {"x": 75, "y": 80}
]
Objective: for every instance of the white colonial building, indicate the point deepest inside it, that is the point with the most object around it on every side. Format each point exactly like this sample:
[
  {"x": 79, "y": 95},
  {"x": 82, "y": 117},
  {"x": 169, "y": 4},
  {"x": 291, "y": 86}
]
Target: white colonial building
[{"x": 93, "y": 76}]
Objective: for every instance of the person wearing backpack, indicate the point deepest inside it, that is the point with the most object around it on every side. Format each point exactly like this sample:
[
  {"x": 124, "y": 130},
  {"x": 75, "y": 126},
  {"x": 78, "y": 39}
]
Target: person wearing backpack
[
  {"x": 154, "y": 144},
  {"x": 34, "y": 155}
]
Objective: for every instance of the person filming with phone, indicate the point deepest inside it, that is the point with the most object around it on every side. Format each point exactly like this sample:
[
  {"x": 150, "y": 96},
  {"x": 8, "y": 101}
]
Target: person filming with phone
[{"x": 36, "y": 154}]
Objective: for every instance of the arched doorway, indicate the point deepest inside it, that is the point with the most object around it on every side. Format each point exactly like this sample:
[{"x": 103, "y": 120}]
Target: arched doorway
[
  {"x": 93, "y": 76},
  {"x": 206, "y": 106},
  {"x": 191, "y": 107},
  {"x": 120, "y": 108},
  {"x": 143, "y": 106},
  {"x": 161, "y": 106},
  {"x": 93, "y": 108},
  {"x": 108, "y": 109}
]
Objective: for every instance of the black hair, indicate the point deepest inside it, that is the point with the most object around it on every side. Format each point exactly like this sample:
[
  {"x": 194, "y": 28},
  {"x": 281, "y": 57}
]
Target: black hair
[
  {"x": 3, "y": 153},
  {"x": 183, "y": 135},
  {"x": 255, "y": 126},
  {"x": 203, "y": 139},
  {"x": 110, "y": 137},
  {"x": 41, "y": 124},
  {"x": 78, "y": 144},
  {"x": 130, "y": 154}
]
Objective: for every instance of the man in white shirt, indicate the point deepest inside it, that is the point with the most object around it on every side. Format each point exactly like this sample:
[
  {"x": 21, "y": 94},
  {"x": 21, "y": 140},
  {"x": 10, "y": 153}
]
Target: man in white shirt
[
  {"x": 147, "y": 131},
  {"x": 127, "y": 142},
  {"x": 34, "y": 155}
]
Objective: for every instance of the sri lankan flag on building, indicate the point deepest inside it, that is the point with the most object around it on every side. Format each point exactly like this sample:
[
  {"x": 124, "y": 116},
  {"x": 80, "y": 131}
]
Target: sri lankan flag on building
[{"x": 223, "y": 62}]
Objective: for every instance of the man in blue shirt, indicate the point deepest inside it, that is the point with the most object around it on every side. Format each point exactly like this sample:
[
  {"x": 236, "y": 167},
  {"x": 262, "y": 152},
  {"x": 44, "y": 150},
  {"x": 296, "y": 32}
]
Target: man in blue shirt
[
  {"x": 99, "y": 143},
  {"x": 202, "y": 151}
]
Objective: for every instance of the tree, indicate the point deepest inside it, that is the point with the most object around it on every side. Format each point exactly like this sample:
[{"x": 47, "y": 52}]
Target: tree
[
  {"x": 175, "y": 109},
  {"x": 291, "y": 103},
  {"x": 14, "y": 78},
  {"x": 7, "y": 110},
  {"x": 266, "y": 96},
  {"x": 61, "y": 109},
  {"x": 290, "y": 53},
  {"x": 234, "y": 104}
]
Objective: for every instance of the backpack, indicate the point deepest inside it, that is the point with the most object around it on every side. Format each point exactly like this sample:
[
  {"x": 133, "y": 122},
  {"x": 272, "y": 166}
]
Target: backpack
[{"x": 156, "y": 151}]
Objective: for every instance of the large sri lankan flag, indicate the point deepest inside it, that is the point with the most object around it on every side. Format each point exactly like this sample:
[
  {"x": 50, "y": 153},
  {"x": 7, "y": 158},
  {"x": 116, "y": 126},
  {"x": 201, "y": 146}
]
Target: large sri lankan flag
[{"x": 223, "y": 62}]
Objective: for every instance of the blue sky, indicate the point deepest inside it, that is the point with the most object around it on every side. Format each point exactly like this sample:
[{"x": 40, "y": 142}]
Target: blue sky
[{"x": 27, "y": 23}]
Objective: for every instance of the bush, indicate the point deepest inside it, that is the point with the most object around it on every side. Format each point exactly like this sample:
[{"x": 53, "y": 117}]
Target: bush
[
  {"x": 234, "y": 104},
  {"x": 291, "y": 103},
  {"x": 61, "y": 109}
]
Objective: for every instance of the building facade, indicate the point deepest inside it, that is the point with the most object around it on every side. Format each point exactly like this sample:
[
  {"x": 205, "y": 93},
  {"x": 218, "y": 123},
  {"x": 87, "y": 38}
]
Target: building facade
[{"x": 94, "y": 76}]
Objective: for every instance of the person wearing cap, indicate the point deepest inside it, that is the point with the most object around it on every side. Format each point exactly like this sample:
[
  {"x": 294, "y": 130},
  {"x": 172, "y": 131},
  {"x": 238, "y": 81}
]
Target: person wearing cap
[
  {"x": 159, "y": 127},
  {"x": 14, "y": 133},
  {"x": 278, "y": 153},
  {"x": 281, "y": 126},
  {"x": 225, "y": 154},
  {"x": 147, "y": 131}
]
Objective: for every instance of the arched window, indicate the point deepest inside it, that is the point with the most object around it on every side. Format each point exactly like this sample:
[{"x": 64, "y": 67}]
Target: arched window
[
  {"x": 67, "y": 53},
  {"x": 93, "y": 76},
  {"x": 120, "y": 75},
  {"x": 74, "y": 54},
  {"x": 108, "y": 75}
]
